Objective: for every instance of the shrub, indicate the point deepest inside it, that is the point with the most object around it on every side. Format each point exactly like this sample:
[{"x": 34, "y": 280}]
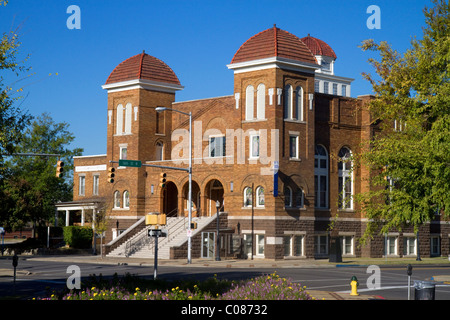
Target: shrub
[{"x": 78, "y": 237}]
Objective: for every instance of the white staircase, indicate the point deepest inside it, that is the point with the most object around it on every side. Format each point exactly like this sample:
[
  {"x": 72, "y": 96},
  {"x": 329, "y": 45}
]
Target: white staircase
[{"x": 142, "y": 246}]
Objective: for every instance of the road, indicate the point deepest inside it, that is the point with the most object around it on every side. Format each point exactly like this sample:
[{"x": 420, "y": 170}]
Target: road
[{"x": 36, "y": 278}]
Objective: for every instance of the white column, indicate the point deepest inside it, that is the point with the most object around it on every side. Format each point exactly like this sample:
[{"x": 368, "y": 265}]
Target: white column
[
  {"x": 82, "y": 216},
  {"x": 67, "y": 217}
]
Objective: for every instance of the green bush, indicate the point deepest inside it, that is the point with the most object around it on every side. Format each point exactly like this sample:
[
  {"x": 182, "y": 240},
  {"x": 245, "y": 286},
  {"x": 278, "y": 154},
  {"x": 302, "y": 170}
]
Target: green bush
[{"x": 78, "y": 237}]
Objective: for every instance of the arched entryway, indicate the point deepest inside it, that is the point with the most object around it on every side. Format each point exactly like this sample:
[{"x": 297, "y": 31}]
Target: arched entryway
[
  {"x": 196, "y": 203},
  {"x": 169, "y": 200},
  {"x": 213, "y": 192}
]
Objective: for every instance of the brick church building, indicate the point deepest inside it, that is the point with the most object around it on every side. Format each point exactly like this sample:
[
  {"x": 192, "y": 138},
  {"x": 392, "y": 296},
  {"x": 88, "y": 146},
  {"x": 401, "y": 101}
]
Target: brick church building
[{"x": 273, "y": 159}]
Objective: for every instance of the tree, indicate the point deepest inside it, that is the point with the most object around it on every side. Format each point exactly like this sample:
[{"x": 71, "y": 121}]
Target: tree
[
  {"x": 101, "y": 220},
  {"x": 408, "y": 157},
  {"x": 32, "y": 180},
  {"x": 12, "y": 119}
]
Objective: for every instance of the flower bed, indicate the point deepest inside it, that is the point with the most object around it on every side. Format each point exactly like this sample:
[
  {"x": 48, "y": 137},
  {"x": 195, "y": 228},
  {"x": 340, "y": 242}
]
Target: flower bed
[{"x": 268, "y": 287}]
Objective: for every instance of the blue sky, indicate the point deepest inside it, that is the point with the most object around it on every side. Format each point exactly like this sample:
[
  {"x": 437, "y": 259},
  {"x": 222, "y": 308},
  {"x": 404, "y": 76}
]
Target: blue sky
[{"x": 197, "y": 39}]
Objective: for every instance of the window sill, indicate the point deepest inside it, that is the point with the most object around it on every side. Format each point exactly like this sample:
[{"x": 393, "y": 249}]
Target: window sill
[
  {"x": 347, "y": 210},
  {"x": 295, "y": 208},
  {"x": 295, "y": 159},
  {"x": 294, "y": 121},
  {"x": 122, "y": 134},
  {"x": 121, "y": 209},
  {"x": 256, "y": 207},
  {"x": 253, "y": 120}
]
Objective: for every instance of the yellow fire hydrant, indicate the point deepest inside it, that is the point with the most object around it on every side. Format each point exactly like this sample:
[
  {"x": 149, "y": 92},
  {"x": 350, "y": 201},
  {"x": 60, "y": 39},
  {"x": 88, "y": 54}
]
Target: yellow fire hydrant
[{"x": 354, "y": 283}]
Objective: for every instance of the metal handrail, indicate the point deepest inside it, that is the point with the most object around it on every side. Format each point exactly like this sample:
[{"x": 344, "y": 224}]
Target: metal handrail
[{"x": 134, "y": 244}]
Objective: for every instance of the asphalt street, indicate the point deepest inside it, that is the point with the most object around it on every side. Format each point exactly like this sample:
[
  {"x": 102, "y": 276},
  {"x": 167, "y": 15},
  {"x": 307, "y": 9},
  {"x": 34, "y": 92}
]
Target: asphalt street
[{"x": 38, "y": 276}]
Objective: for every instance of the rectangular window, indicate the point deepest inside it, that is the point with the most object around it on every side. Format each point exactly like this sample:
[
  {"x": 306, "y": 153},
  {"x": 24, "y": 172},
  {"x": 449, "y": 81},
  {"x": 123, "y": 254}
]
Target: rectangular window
[
  {"x": 317, "y": 86},
  {"x": 321, "y": 244},
  {"x": 287, "y": 245},
  {"x": 293, "y": 146},
  {"x": 326, "y": 87},
  {"x": 82, "y": 185},
  {"x": 391, "y": 245},
  {"x": 335, "y": 89},
  {"x": 435, "y": 248},
  {"x": 293, "y": 245},
  {"x": 260, "y": 244},
  {"x": 254, "y": 146},
  {"x": 123, "y": 153},
  {"x": 298, "y": 245},
  {"x": 208, "y": 244},
  {"x": 347, "y": 245},
  {"x": 95, "y": 185},
  {"x": 409, "y": 246},
  {"x": 344, "y": 90},
  {"x": 217, "y": 146}
]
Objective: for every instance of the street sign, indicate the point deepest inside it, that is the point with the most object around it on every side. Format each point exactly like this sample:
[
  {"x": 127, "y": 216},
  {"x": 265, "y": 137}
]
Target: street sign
[
  {"x": 275, "y": 184},
  {"x": 130, "y": 163},
  {"x": 157, "y": 232},
  {"x": 276, "y": 165}
]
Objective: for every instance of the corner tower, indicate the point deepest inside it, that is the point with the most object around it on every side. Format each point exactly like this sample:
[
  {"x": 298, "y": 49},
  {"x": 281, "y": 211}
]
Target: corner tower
[
  {"x": 274, "y": 88},
  {"x": 136, "y": 131}
]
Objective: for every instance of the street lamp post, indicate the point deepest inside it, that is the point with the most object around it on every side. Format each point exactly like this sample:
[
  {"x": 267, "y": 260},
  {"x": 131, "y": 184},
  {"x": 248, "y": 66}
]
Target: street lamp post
[
  {"x": 159, "y": 109},
  {"x": 217, "y": 240}
]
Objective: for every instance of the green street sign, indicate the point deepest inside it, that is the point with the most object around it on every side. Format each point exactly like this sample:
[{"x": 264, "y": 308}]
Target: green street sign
[{"x": 130, "y": 163}]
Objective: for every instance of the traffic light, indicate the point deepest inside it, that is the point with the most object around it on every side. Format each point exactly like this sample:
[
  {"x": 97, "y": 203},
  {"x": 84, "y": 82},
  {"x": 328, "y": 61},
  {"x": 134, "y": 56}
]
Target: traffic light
[
  {"x": 59, "y": 168},
  {"x": 111, "y": 174},
  {"x": 162, "y": 180}
]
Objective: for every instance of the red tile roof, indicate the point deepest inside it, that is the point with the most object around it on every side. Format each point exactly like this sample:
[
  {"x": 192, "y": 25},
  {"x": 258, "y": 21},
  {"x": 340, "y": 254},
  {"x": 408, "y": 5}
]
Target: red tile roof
[
  {"x": 318, "y": 47},
  {"x": 143, "y": 66},
  {"x": 274, "y": 42}
]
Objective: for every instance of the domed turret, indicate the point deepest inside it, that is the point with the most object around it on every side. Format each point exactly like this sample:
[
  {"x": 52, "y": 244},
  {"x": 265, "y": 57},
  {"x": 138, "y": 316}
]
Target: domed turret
[{"x": 145, "y": 70}]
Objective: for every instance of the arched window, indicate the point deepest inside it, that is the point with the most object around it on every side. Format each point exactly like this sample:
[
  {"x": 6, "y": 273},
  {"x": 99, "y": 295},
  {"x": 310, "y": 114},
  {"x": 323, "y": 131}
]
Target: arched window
[
  {"x": 126, "y": 199},
  {"x": 299, "y": 113},
  {"x": 288, "y": 102},
  {"x": 287, "y": 196},
  {"x": 249, "y": 101},
  {"x": 345, "y": 178},
  {"x": 159, "y": 151},
  {"x": 260, "y": 196},
  {"x": 261, "y": 102},
  {"x": 116, "y": 199},
  {"x": 119, "y": 120},
  {"x": 299, "y": 198},
  {"x": 321, "y": 177},
  {"x": 128, "y": 118},
  {"x": 293, "y": 198},
  {"x": 248, "y": 197}
]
